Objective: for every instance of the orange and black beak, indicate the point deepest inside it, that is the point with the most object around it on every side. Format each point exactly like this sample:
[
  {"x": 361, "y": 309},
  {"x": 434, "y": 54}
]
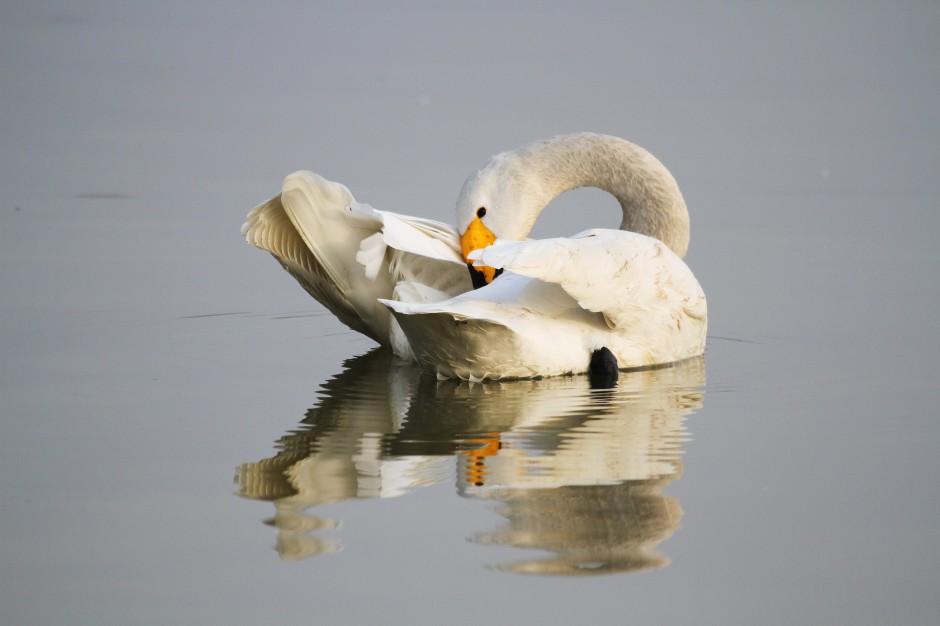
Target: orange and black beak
[{"x": 478, "y": 236}]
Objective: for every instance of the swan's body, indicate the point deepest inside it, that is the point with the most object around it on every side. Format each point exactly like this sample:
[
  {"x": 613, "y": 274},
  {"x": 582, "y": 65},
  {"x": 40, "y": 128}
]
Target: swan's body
[{"x": 559, "y": 301}]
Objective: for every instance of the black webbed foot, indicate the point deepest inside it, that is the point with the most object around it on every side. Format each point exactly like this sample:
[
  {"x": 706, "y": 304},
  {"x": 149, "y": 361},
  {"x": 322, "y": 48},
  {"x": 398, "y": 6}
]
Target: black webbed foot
[{"x": 603, "y": 372}]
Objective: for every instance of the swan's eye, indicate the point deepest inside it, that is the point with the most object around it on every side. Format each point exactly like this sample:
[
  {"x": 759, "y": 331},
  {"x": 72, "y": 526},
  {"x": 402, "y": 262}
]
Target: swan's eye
[{"x": 481, "y": 211}]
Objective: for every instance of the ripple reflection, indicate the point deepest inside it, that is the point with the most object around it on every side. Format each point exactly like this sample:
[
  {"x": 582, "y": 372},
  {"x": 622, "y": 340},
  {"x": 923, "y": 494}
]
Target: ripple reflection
[{"x": 575, "y": 471}]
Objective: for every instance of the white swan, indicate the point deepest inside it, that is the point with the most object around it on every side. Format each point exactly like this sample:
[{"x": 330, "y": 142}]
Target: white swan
[{"x": 598, "y": 301}]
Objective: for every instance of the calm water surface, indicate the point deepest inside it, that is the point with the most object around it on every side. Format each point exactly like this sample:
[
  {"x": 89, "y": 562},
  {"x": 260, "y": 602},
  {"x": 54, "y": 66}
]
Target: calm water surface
[{"x": 148, "y": 355}]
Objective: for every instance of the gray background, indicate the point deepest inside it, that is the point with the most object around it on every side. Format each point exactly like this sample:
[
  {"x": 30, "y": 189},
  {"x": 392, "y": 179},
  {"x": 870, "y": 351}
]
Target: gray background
[{"x": 147, "y": 351}]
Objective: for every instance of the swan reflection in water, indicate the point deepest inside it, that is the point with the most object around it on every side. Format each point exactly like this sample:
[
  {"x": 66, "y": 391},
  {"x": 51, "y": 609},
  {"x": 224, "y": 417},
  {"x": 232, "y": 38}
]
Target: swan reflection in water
[{"x": 575, "y": 471}]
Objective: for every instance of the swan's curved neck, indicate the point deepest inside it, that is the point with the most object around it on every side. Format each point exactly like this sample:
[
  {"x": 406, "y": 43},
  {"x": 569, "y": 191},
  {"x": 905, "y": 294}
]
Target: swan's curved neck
[{"x": 523, "y": 181}]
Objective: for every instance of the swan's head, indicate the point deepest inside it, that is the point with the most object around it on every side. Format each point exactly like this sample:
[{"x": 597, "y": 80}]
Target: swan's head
[
  {"x": 475, "y": 237},
  {"x": 501, "y": 200}
]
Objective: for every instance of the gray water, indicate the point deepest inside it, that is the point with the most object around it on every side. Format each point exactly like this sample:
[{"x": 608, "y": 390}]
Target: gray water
[{"x": 186, "y": 437}]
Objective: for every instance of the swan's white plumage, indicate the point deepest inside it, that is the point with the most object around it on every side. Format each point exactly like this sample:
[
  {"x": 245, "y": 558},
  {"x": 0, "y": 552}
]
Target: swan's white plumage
[
  {"x": 348, "y": 255},
  {"x": 560, "y": 300},
  {"x": 620, "y": 274},
  {"x": 557, "y": 301}
]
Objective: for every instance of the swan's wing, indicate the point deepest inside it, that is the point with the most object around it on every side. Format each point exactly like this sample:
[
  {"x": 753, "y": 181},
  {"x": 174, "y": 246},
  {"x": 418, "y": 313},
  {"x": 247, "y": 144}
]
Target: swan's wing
[
  {"x": 618, "y": 273},
  {"x": 348, "y": 255},
  {"x": 423, "y": 237},
  {"x": 422, "y": 256},
  {"x": 314, "y": 228}
]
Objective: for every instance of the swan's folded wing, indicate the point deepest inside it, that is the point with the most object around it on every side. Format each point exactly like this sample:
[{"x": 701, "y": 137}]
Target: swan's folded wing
[{"x": 617, "y": 273}]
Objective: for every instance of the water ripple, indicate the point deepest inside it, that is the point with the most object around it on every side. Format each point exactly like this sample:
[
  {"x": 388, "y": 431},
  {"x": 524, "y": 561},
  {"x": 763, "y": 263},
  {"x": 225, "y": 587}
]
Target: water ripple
[{"x": 575, "y": 471}]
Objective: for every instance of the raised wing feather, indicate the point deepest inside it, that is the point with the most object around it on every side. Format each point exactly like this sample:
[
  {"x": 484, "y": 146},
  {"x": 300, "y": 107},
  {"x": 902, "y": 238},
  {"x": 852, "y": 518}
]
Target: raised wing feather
[
  {"x": 348, "y": 255},
  {"x": 427, "y": 238},
  {"x": 291, "y": 235}
]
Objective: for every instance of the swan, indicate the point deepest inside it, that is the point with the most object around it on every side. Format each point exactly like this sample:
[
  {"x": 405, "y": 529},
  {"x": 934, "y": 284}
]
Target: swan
[{"x": 598, "y": 302}]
